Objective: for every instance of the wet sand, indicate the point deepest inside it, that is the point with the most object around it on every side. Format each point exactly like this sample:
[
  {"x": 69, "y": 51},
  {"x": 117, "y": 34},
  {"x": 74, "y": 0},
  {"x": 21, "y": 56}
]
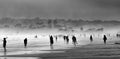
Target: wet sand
[{"x": 93, "y": 50}]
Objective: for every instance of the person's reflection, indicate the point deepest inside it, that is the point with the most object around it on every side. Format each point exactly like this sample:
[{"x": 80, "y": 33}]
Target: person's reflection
[
  {"x": 51, "y": 47},
  {"x": 5, "y": 50},
  {"x": 5, "y": 53}
]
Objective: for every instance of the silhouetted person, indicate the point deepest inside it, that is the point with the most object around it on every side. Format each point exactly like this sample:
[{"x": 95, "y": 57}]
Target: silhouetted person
[
  {"x": 67, "y": 39},
  {"x": 51, "y": 41},
  {"x": 56, "y": 38},
  {"x": 74, "y": 40},
  {"x": 91, "y": 38},
  {"x": 64, "y": 37},
  {"x": 36, "y": 36},
  {"x": 25, "y": 42},
  {"x": 105, "y": 39},
  {"x": 4, "y": 43}
]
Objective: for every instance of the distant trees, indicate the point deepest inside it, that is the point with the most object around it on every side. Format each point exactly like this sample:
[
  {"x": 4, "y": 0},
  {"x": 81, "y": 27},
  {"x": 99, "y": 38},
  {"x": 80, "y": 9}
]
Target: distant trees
[
  {"x": 36, "y": 23},
  {"x": 18, "y": 25},
  {"x": 6, "y": 26},
  {"x": 95, "y": 29}
]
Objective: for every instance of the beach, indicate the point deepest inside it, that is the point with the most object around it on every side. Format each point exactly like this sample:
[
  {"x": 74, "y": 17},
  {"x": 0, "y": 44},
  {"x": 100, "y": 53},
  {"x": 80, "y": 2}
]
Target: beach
[
  {"x": 59, "y": 29},
  {"x": 60, "y": 50}
]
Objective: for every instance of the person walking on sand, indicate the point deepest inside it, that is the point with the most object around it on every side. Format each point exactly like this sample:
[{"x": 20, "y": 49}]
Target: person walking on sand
[
  {"x": 64, "y": 37},
  {"x": 91, "y": 38},
  {"x": 4, "y": 43},
  {"x": 51, "y": 41},
  {"x": 74, "y": 40},
  {"x": 25, "y": 42},
  {"x": 67, "y": 39},
  {"x": 104, "y": 39}
]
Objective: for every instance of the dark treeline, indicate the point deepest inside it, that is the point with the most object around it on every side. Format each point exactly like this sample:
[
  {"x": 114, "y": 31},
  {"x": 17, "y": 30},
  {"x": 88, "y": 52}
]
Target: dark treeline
[{"x": 56, "y": 22}]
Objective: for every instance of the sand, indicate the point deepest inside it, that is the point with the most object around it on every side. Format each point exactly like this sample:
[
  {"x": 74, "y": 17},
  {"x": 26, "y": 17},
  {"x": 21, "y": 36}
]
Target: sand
[
  {"x": 93, "y": 50},
  {"x": 99, "y": 51}
]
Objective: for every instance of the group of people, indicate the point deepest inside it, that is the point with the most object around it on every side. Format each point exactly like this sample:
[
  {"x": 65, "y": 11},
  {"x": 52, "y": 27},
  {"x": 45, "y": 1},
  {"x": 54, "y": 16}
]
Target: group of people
[
  {"x": 5, "y": 42},
  {"x": 66, "y": 39},
  {"x": 104, "y": 38}
]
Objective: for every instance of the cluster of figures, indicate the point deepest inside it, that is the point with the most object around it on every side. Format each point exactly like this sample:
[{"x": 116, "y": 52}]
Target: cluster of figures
[
  {"x": 104, "y": 39},
  {"x": 74, "y": 40},
  {"x": 66, "y": 39},
  {"x": 5, "y": 42}
]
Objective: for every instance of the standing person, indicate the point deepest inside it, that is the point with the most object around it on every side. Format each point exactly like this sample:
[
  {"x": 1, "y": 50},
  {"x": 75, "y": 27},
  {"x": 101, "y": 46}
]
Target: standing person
[
  {"x": 56, "y": 38},
  {"x": 74, "y": 40},
  {"x": 105, "y": 39},
  {"x": 4, "y": 43},
  {"x": 25, "y": 42},
  {"x": 51, "y": 41},
  {"x": 91, "y": 38},
  {"x": 36, "y": 36},
  {"x": 64, "y": 37},
  {"x": 67, "y": 39}
]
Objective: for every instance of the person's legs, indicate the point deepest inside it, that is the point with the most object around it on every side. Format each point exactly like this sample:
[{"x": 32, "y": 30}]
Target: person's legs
[{"x": 104, "y": 41}]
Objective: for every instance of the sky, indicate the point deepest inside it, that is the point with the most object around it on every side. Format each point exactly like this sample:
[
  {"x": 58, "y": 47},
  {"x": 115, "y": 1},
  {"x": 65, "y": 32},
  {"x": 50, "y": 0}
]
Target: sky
[{"x": 75, "y": 9}]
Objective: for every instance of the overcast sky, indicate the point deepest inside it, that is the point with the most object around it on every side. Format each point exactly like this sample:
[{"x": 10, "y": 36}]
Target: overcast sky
[{"x": 85, "y": 9}]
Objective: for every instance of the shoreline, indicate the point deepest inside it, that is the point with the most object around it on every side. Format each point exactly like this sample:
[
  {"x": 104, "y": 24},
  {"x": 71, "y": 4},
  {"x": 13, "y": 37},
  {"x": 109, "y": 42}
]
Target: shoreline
[{"x": 88, "y": 51}]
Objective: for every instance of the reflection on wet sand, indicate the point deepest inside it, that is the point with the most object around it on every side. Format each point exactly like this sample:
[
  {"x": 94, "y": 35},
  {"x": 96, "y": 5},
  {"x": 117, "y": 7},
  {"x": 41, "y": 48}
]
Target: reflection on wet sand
[
  {"x": 41, "y": 46},
  {"x": 19, "y": 58},
  {"x": 26, "y": 51},
  {"x": 5, "y": 50},
  {"x": 51, "y": 47},
  {"x": 5, "y": 56}
]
